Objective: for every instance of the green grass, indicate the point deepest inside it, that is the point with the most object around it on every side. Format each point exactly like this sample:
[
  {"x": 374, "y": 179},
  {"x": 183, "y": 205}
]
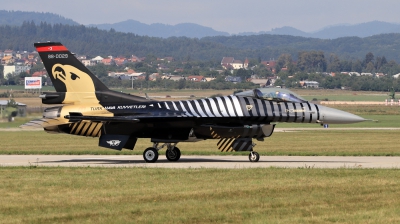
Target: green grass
[
  {"x": 369, "y": 97},
  {"x": 362, "y": 110},
  {"x": 18, "y": 121},
  {"x": 5, "y": 88},
  {"x": 324, "y": 142},
  {"x": 375, "y": 121},
  {"x": 146, "y": 195}
]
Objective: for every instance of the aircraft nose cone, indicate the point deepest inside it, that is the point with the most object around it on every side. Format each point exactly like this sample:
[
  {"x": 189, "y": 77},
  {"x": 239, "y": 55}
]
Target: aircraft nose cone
[{"x": 335, "y": 116}]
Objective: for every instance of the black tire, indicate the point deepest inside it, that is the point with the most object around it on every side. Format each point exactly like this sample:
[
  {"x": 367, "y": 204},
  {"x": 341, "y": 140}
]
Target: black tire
[
  {"x": 173, "y": 154},
  {"x": 255, "y": 157},
  {"x": 150, "y": 155}
]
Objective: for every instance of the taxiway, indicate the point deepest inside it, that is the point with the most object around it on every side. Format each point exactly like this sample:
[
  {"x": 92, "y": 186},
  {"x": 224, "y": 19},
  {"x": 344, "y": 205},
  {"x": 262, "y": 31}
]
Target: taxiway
[{"x": 224, "y": 162}]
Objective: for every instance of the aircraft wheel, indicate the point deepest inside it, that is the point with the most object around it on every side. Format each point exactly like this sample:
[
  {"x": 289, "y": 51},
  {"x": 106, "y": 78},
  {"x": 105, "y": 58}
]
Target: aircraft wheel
[
  {"x": 254, "y": 157},
  {"x": 150, "y": 155},
  {"x": 173, "y": 154}
]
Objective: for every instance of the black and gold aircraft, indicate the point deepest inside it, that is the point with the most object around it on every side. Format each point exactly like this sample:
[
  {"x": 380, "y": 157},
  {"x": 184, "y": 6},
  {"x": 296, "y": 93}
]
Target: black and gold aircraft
[{"x": 118, "y": 119}]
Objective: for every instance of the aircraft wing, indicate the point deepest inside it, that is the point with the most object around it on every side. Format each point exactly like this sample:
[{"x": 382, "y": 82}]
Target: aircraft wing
[
  {"x": 136, "y": 118},
  {"x": 76, "y": 117}
]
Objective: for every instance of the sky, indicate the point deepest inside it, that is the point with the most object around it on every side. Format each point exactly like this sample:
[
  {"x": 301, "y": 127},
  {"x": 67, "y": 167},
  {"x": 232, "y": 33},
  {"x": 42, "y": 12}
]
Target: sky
[{"x": 233, "y": 16}]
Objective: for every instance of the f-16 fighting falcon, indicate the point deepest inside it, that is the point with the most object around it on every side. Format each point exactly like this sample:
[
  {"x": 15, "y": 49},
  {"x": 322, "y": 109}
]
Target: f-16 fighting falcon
[{"x": 118, "y": 119}]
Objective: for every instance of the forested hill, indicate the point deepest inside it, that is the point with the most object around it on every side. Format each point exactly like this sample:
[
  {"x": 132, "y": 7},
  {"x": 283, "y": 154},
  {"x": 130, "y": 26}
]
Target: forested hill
[
  {"x": 162, "y": 30},
  {"x": 92, "y": 41},
  {"x": 387, "y": 45},
  {"x": 16, "y": 18}
]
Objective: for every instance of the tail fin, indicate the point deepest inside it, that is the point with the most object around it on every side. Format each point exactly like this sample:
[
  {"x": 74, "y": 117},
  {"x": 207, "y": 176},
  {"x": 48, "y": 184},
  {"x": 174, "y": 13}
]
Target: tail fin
[
  {"x": 73, "y": 82},
  {"x": 68, "y": 74}
]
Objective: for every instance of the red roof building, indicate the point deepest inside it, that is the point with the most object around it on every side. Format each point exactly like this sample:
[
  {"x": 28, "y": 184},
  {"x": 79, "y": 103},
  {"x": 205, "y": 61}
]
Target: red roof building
[
  {"x": 107, "y": 61},
  {"x": 120, "y": 61},
  {"x": 39, "y": 74},
  {"x": 196, "y": 78}
]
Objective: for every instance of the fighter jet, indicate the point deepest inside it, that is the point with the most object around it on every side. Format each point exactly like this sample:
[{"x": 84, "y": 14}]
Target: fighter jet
[{"x": 91, "y": 109}]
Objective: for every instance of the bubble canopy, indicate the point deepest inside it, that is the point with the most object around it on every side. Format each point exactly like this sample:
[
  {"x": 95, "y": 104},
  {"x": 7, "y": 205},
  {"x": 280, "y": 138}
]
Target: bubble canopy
[{"x": 273, "y": 94}]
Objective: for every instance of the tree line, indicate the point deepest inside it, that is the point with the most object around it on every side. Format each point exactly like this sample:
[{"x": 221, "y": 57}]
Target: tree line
[
  {"x": 92, "y": 41},
  {"x": 295, "y": 57}
]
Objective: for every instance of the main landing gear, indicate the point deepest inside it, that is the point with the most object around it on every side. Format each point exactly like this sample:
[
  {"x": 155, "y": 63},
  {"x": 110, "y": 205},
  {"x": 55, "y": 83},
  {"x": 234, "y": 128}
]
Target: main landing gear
[
  {"x": 150, "y": 155},
  {"x": 254, "y": 156}
]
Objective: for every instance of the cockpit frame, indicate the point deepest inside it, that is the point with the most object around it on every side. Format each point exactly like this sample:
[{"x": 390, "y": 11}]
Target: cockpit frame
[{"x": 273, "y": 94}]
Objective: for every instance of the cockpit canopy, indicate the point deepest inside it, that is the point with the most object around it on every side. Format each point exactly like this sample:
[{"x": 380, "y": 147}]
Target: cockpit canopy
[{"x": 273, "y": 94}]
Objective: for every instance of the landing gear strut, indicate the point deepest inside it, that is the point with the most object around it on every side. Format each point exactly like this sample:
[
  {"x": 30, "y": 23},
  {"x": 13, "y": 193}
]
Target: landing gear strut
[
  {"x": 150, "y": 155},
  {"x": 173, "y": 153},
  {"x": 254, "y": 156}
]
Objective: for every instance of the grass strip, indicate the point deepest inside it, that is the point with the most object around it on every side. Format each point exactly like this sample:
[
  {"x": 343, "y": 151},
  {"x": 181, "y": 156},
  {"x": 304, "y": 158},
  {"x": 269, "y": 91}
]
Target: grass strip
[
  {"x": 324, "y": 142},
  {"x": 147, "y": 195}
]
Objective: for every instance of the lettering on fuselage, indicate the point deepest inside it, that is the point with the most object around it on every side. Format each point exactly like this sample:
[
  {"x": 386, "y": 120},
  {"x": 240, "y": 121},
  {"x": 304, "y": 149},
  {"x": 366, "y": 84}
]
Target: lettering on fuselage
[
  {"x": 96, "y": 108},
  {"x": 131, "y": 107},
  {"x": 124, "y": 107}
]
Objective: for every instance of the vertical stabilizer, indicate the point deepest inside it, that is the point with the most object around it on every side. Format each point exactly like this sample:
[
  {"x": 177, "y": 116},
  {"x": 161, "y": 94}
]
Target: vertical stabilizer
[
  {"x": 74, "y": 83},
  {"x": 68, "y": 74}
]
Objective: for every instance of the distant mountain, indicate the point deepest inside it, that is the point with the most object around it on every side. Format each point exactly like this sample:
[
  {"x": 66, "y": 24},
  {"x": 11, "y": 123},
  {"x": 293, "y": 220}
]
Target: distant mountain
[
  {"x": 333, "y": 32},
  {"x": 358, "y": 30},
  {"x": 161, "y": 30},
  {"x": 191, "y": 30},
  {"x": 286, "y": 30},
  {"x": 16, "y": 18}
]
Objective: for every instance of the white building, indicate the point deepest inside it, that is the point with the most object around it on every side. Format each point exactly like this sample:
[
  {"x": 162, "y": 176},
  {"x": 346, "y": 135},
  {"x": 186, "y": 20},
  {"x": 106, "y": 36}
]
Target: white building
[
  {"x": 237, "y": 64},
  {"x": 231, "y": 63},
  {"x": 88, "y": 62},
  {"x": 15, "y": 69},
  {"x": 132, "y": 75},
  {"x": 396, "y": 76},
  {"x": 354, "y": 74},
  {"x": 366, "y": 74},
  {"x": 309, "y": 84},
  {"x": 98, "y": 59}
]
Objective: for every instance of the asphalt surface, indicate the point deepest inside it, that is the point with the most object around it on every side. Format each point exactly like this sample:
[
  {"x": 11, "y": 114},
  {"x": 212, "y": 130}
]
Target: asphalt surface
[{"x": 225, "y": 162}]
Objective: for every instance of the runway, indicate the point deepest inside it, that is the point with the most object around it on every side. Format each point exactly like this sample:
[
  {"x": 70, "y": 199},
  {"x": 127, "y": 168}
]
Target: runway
[{"x": 224, "y": 162}]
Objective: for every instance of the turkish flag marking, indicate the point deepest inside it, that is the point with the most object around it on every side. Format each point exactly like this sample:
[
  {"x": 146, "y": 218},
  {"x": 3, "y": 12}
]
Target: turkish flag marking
[{"x": 51, "y": 48}]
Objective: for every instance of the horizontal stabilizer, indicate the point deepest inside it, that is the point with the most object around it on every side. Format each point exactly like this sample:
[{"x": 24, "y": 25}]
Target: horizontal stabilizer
[{"x": 42, "y": 123}]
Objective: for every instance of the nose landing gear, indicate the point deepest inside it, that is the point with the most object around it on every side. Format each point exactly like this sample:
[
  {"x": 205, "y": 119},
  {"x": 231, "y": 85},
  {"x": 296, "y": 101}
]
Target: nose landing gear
[{"x": 254, "y": 156}]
